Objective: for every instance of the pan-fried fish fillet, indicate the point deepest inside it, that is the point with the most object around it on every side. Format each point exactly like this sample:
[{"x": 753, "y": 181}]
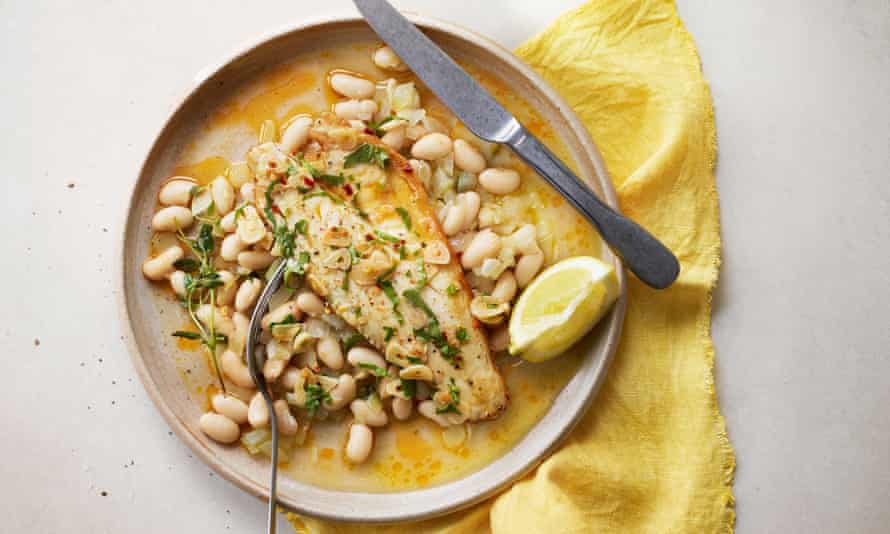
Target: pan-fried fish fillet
[{"x": 374, "y": 250}]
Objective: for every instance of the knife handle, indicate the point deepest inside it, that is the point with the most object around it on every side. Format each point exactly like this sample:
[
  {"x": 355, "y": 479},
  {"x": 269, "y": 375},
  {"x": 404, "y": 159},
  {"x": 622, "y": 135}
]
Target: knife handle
[{"x": 645, "y": 256}]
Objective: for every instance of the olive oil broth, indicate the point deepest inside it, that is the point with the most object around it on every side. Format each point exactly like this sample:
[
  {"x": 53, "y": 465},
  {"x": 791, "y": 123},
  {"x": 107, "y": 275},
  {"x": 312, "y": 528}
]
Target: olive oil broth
[{"x": 407, "y": 454}]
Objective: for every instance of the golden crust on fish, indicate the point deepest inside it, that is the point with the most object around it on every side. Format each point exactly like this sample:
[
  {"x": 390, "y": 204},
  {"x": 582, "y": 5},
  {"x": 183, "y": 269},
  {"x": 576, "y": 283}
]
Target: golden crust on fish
[{"x": 375, "y": 251}]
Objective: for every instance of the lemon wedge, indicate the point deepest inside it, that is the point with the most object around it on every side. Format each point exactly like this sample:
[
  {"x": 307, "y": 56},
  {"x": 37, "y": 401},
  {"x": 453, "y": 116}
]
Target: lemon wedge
[{"x": 560, "y": 306}]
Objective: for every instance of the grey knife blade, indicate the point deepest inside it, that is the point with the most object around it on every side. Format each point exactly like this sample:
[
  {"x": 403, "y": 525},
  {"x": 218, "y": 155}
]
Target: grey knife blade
[{"x": 646, "y": 257}]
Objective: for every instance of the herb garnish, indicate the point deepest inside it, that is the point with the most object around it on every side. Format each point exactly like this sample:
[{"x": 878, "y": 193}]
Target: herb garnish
[
  {"x": 406, "y": 217},
  {"x": 367, "y": 153},
  {"x": 393, "y": 296},
  {"x": 386, "y": 237},
  {"x": 451, "y": 407},
  {"x": 375, "y": 126},
  {"x": 376, "y": 371},
  {"x": 332, "y": 179},
  {"x": 451, "y": 290},
  {"x": 462, "y": 335},
  {"x": 431, "y": 333},
  {"x": 315, "y": 395},
  {"x": 352, "y": 341},
  {"x": 409, "y": 388},
  {"x": 388, "y": 333}
]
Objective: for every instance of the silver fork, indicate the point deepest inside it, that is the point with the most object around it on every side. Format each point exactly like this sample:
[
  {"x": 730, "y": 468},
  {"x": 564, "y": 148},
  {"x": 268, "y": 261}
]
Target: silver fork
[{"x": 256, "y": 372}]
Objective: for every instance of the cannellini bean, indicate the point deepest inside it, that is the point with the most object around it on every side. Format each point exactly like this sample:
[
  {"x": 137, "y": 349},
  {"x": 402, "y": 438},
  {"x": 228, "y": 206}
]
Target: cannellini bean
[
  {"x": 453, "y": 221},
  {"x": 499, "y": 339},
  {"x": 329, "y": 352},
  {"x": 222, "y": 322},
  {"x": 364, "y": 355},
  {"x": 470, "y": 201},
  {"x": 219, "y": 428},
  {"x": 402, "y": 408},
  {"x": 485, "y": 244},
  {"x": 223, "y": 195},
  {"x": 310, "y": 303},
  {"x": 177, "y": 191},
  {"x": 523, "y": 239},
  {"x": 427, "y": 409},
  {"x": 287, "y": 423},
  {"x": 499, "y": 181},
  {"x": 225, "y": 294},
  {"x": 431, "y": 146},
  {"x": 364, "y": 414},
  {"x": 468, "y": 157},
  {"x": 177, "y": 282},
  {"x": 248, "y": 192},
  {"x": 352, "y": 86},
  {"x": 228, "y": 223},
  {"x": 257, "y": 411},
  {"x": 417, "y": 372},
  {"x": 230, "y": 406},
  {"x": 280, "y": 313},
  {"x": 238, "y": 338},
  {"x": 247, "y": 294},
  {"x": 296, "y": 134},
  {"x": 290, "y": 377},
  {"x": 359, "y": 443},
  {"x": 161, "y": 266},
  {"x": 395, "y": 139},
  {"x": 235, "y": 369},
  {"x": 386, "y": 58},
  {"x": 231, "y": 246},
  {"x": 527, "y": 267},
  {"x": 356, "y": 109},
  {"x": 505, "y": 288},
  {"x": 343, "y": 393},
  {"x": 171, "y": 219},
  {"x": 255, "y": 260},
  {"x": 272, "y": 369}
]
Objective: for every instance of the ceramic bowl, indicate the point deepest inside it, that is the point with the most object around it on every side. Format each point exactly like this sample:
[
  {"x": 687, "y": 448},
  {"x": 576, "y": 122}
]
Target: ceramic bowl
[{"x": 149, "y": 345}]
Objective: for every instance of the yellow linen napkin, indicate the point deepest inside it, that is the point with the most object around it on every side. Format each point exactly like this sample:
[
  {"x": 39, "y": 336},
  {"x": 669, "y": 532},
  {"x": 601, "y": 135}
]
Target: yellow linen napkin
[{"x": 652, "y": 453}]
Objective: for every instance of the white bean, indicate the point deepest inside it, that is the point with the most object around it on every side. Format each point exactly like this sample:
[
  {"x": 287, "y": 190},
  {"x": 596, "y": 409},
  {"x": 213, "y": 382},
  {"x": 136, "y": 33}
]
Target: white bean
[
  {"x": 471, "y": 202},
  {"x": 272, "y": 369},
  {"x": 505, "y": 288},
  {"x": 247, "y": 294},
  {"x": 343, "y": 393},
  {"x": 395, "y": 139},
  {"x": 499, "y": 339},
  {"x": 257, "y": 411},
  {"x": 223, "y": 195},
  {"x": 255, "y": 260},
  {"x": 453, "y": 221},
  {"x": 235, "y": 369},
  {"x": 161, "y": 266},
  {"x": 402, "y": 408},
  {"x": 230, "y": 406},
  {"x": 363, "y": 110},
  {"x": 524, "y": 240},
  {"x": 527, "y": 267},
  {"x": 177, "y": 191},
  {"x": 238, "y": 339},
  {"x": 177, "y": 282},
  {"x": 287, "y": 423},
  {"x": 386, "y": 58},
  {"x": 280, "y": 313},
  {"x": 352, "y": 86},
  {"x": 485, "y": 244},
  {"x": 248, "y": 192},
  {"x": 171, "y": 219},
  {"x": 330, "y": 353},
  {"x": 364, "y": 414},
  {"x": 431, "y": 146},
  {"x": 219, "y": 428},
  {"x": 364, "y": 355},
  {"x": 359, "y": 443},
  {"x": 290, "y": 377},
  {"x": 231, "y": 246},
  {"x": 468, "y": 157},
  {"x": 225, "y": 294},
  {"x": 499, "y": 181},
  {"x": 228, "y": 223},
  {"x": 296, "y": 134},
  {"x": 310, "y": 303}
]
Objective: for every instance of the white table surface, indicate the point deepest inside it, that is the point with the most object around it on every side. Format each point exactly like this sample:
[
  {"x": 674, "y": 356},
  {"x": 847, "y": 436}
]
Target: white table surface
[{"x": 802, "y": 328}]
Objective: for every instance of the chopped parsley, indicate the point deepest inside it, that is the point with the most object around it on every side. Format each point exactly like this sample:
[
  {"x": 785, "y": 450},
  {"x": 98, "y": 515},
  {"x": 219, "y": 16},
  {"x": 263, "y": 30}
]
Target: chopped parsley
[
  {"x": 376, "y": 371},
  {"x": 325, "y": 194},
  {"x": 188, "y": 265},
  {"x": 393, "y": 296},
  {"x": 409, "y": 388},
  {"x": 413, "y": 296},
  {"x": 367, "y": 153},
  {"x": 300, "y": 226},
  {"x": 375, "y": 126},
  {"x": 451, "y": 290},
  {"x": 386, "y": 237},
  {"x": 352, "y": 341},
  {"x": 451, "y": 407},
  {"x": 406, "y": 217},
  {"x": 332, "y": 179},
  {"x": 462, "y": 335},
  {"x": 388, "y": 333},
  {"x": 313, "y": 172},
  {"x": 315, "y": 396}
]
